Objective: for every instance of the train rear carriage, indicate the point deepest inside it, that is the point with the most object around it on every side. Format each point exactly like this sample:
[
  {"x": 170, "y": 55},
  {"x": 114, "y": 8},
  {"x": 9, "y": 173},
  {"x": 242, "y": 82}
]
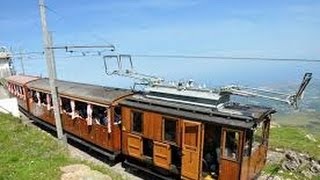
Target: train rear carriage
[
  {"x": 16, "y": 86},
  {"x": 89, "y": 112},
  {"x": 194, "y": 142}
]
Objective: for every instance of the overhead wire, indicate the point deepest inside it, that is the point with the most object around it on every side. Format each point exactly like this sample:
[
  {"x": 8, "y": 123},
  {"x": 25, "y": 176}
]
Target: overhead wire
[{"x": 227, "y": 58}]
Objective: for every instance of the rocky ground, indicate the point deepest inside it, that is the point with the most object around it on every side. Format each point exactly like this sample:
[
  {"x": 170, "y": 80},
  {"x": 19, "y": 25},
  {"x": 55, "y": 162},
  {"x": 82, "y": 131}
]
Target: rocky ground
[
  {"x": 289, "y": 164},
  {"x": 80, "y": 171}
]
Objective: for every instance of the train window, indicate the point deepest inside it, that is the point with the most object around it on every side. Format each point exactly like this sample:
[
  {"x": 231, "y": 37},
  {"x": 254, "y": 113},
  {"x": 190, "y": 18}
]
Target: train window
[
  {"x": 66, "y": 107},
  {"x": 117, "y": 115},
  {"x": 231, "y": 144},
  {"x": 191, "y": 135},
  {"x": 99, "y": 115},
  {"x": 259, "y": 136},
  {"x": 247, "y": 144},
  {"x": 81, "y": 109},
  {"x": 34, "y": 96},
  {"x": 170, "y": 127},
  {"x": 43, "y": 98},
  {"x": 137, "y": 121}
]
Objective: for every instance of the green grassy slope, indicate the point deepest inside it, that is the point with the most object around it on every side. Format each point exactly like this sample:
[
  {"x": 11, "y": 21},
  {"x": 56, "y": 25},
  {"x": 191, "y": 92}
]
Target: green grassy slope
[{"x": 28, "y": 153}]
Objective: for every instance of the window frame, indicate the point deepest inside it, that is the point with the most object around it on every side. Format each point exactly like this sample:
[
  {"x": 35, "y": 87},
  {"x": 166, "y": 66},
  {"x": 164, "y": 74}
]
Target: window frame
[
  {"x": 239, "y": 145},
  {"x": 164, "y": 119},
  {"x": 131, "y": 121}
]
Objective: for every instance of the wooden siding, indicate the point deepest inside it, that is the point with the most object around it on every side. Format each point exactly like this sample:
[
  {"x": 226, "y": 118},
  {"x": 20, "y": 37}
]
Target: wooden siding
[
  {"x": 135, "y": 146},
  {"x": 152, "y": 126},
  {"x": 229, "y": 170},
  {"x": 161, "y": 154}
]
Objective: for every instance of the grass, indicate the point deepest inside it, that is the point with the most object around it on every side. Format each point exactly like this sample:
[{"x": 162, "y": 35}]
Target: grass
[
  {"x": 294, "y": 138},
  {"x": 28, "y": 153}
]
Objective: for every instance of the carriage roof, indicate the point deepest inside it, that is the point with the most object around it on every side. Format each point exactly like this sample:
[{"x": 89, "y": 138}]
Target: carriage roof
[
  {"x": 88, "y": 92},
  {"x": 21, "y": 79},
  {"x": 245, "y": 116}
]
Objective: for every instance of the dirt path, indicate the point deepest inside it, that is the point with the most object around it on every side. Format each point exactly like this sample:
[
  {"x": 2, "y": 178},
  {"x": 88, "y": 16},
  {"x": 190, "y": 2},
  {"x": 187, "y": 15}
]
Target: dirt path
[{"x": 78, "y": 154}]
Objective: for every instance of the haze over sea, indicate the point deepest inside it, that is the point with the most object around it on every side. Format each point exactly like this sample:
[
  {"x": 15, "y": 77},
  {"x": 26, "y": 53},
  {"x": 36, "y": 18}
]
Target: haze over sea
[{"x": 211, "y": 72}]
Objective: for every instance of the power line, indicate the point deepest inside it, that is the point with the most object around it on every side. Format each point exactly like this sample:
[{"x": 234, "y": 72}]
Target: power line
[
  {"x": 90, "y": 54},
  {"x": 227, "y": 58}
]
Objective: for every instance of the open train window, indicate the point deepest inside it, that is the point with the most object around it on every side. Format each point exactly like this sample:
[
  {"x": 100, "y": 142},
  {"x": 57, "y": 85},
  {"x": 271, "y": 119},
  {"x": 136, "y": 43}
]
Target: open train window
[
  {"x": 117, "y": 115},
  {"x": 247, "y": 144},
  {"x": 99, "y": 115},
  {"x": 259, "y": 136},
  {"x": 137, "y": 121},
  {"x": 66, "y": 107},
  {"x": 34, "y": 96},
  {"x": 231, "y": 144},
  {"x": 81, "y": 109},
  {"x": 43, "y": 98},
  {"x": 170, "y": 128}
]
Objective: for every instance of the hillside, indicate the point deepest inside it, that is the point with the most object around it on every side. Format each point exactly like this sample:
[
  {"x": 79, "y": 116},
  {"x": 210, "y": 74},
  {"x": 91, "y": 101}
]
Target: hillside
[{"x": 26, "y": 152}]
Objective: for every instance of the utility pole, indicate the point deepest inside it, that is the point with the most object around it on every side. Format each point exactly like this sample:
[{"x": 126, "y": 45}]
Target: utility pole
[{"x": 49, "y": 54}]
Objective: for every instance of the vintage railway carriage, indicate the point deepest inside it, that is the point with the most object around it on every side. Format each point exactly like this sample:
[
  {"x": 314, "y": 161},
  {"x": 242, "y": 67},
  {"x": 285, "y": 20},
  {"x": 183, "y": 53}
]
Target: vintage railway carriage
[
  {"x": 99, "y": 130},
  {"x": 16, "y": 86},
  {"x": 195, "y": 142},
  {"x": 165, "y": 136}
]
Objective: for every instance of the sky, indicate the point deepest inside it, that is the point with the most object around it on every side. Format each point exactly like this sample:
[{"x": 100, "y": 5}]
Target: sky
[{"x": 277, "y": 29}]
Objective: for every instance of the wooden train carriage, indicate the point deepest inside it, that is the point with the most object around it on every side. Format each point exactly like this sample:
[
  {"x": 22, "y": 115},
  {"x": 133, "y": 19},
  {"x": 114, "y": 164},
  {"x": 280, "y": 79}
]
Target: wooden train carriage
[
  {"x": 99, "y": 131},
  {"x": 16, "y": 86},
  {"x": 102, "y": 131},
  {"x": 156, "y": 135},
  {"x": 195, "y": 142}
]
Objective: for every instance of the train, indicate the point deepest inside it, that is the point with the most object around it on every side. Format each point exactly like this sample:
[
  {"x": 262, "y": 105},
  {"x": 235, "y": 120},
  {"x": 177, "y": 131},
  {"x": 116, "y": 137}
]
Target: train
[{"x": 170, "y": 132}]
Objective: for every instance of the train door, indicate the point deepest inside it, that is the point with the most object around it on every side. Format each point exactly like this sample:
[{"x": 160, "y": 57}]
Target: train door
[{"x": 192, "y": 142}]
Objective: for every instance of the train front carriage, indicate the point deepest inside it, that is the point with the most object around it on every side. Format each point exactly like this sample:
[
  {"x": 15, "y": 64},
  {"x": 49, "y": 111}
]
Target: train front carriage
[{"x": 188, "y": 141}]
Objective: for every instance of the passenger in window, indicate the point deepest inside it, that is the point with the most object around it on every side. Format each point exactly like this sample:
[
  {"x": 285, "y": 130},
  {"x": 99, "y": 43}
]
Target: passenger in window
[
  {"x": 34, "y": 96},
  {"x": 82, "y": 113},
  {"x": 231, "y": 145},
  {"x": 117, "y": 115},
  {"x": 104, "y": 117},
  {"x": 43, "y": 98},
  {"x": 76, "y": 114},
  {"x": 212, "y": 156},
  {"x": 66, "y": 107}
]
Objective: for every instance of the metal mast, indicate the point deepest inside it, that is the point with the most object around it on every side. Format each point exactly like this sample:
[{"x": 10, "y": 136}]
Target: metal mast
[{"x": 49, "y": 54}]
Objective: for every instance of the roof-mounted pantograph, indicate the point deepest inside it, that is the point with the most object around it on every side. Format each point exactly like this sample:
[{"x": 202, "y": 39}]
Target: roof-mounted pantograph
[{"x": 189, "y": 93}]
